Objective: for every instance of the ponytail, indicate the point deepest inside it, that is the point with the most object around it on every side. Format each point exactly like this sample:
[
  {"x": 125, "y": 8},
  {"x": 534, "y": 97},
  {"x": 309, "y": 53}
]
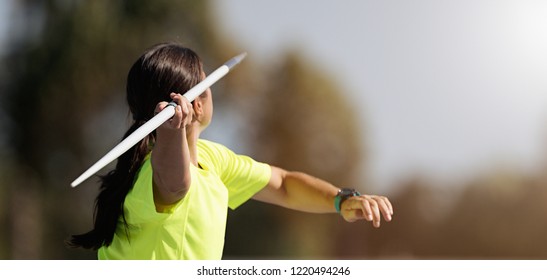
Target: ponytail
[{"x": 114, "y": 188}]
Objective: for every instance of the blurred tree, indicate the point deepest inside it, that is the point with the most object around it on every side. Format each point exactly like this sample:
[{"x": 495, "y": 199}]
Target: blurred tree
[
  {"x": 300, "y": 121},
  {"x": 496, "y": 216},
  {"x": 304, "y": 122},
  {"x": 420, "y": 208}
]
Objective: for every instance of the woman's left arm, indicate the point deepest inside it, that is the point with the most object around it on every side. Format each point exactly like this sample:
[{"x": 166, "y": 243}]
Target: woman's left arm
[{"x": 303, "y": 192}]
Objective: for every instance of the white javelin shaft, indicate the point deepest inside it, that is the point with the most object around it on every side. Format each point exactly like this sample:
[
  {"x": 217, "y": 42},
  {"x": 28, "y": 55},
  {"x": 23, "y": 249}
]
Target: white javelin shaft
[{"x": 157, "y": 120}]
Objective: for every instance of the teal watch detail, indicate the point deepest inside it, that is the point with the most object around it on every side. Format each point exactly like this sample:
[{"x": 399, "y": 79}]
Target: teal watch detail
[{"x": 342, "y": 195}]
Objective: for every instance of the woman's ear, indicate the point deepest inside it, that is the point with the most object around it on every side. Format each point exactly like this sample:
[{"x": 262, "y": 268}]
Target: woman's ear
[{"x": 198, "y": 108}]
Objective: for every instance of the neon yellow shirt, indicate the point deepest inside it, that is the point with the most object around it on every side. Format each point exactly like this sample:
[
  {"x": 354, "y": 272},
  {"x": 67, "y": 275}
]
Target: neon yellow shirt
[{"x": 194, "y": 227}]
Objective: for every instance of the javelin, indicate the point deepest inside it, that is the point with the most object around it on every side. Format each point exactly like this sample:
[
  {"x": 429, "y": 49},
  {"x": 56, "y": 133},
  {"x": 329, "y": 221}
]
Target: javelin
[{"x": 167, "y": 113}]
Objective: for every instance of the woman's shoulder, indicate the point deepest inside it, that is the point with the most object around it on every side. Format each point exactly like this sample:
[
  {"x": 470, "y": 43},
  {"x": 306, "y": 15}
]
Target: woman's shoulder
[
  {"x": 211, "y": 147},
  {"x": 212, "y": 153}
]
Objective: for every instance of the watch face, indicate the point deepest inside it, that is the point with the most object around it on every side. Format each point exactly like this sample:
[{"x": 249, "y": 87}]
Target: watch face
[{"x": 347, "y": 192}]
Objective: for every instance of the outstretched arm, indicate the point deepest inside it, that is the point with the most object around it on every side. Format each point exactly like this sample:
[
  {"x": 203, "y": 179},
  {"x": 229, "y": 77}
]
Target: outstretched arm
[{"x": 300, "y": 191}]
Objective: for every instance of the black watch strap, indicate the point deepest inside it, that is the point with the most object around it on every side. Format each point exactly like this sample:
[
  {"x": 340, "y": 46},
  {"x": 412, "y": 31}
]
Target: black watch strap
[{"x": 342, "y": 195}]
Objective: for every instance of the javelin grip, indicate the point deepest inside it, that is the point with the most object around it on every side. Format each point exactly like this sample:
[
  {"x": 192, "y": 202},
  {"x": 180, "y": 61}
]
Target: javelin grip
[{"x": 167, "y": 113}]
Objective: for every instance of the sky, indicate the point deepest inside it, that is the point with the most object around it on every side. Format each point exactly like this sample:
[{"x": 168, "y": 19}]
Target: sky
[{"x": 450, "y": 89}]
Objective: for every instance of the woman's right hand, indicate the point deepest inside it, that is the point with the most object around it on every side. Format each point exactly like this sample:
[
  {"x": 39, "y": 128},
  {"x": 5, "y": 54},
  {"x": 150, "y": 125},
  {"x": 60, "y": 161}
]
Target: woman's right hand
[{"x": 184, "y": 112}]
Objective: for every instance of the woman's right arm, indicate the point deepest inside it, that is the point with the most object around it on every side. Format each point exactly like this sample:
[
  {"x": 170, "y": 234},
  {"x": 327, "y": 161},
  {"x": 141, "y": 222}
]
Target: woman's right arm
[{"x": 171, "y": 156}]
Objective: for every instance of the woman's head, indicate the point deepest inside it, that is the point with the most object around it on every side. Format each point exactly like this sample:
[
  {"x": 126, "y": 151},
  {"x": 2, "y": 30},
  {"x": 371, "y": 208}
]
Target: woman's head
[{"x": 163, "y": 69}]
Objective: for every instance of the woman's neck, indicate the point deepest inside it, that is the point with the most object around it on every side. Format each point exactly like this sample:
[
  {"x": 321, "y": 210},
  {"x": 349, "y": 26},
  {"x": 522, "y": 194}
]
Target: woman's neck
[{"x": 192, "y": 136}]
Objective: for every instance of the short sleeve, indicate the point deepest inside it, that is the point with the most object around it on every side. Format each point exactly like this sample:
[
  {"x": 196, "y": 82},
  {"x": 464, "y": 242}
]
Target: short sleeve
[
  {"x": 242, "y": 175},
  {"x": 244, "y": 178}
]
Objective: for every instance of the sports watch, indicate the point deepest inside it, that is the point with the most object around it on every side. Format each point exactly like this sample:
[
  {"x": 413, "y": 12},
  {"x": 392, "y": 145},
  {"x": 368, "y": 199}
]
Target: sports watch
[{"x": 342, "y": 195}]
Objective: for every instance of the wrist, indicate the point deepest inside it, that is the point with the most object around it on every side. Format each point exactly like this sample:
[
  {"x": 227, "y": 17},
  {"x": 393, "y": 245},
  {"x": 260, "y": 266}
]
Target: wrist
[{"x": 343, "y": 195}]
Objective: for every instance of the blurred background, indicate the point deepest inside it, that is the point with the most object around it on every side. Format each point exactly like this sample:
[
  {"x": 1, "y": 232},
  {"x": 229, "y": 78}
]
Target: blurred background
[{"x": 439, "y": 105}]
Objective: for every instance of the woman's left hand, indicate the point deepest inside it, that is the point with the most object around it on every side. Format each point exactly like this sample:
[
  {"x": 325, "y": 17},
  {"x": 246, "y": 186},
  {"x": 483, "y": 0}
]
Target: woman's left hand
[{"x": 367, "y": 207}]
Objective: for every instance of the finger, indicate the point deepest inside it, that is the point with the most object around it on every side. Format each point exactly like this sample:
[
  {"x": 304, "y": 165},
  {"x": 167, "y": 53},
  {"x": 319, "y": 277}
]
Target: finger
[
  {"x": 188, "y": 111},
  {"x": 367, "y": 210},
  {"x": 175, "y": 97},
  {"x": 180, "y": 112},
  {"x": 375, "y": 213},
  {"x": 388, "y": 203},
  {"x": 384, "y": 208},
  {"x": 183, "y": 102},
  {"x": 159, "y": 107},
  {"x": 185, "y": 109},
  {"x": 179, "y": 98},
  {"x": 176, "y": 121}
]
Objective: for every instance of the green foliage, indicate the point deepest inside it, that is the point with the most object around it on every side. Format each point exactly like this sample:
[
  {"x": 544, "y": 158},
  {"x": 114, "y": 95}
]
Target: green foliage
[
  {"x": 306, "y": 123},
  {"x": 300, "y": 121}
]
